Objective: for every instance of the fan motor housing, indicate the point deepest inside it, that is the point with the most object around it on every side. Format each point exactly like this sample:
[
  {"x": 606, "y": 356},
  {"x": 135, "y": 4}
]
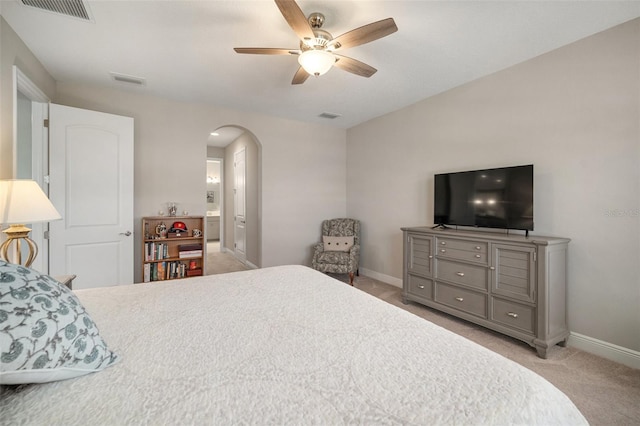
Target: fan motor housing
[{"x": 319, "y": 42}]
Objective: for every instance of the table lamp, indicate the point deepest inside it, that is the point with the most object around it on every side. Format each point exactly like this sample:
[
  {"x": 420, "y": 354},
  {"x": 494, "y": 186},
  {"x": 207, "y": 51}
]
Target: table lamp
[{"x": 22, "y": 202}]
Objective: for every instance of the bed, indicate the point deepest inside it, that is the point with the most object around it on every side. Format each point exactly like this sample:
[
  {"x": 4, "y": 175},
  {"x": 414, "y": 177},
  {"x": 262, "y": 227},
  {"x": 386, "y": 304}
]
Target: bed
[{"x": 281, "y": 345}]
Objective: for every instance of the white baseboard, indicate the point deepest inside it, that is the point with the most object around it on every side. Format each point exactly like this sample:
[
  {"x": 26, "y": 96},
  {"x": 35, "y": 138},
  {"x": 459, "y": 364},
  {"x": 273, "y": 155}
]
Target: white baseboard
[
  {"x": 396, "y": 282},
  {"x": 606, "y": 350},
  {"x": 249, "y": 264},
  {"x": 601, "y": 348}
]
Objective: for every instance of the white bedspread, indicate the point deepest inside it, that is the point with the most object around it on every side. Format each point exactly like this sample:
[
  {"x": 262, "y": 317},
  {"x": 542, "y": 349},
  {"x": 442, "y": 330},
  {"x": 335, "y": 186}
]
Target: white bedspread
[{"x": 283, "y": 345}]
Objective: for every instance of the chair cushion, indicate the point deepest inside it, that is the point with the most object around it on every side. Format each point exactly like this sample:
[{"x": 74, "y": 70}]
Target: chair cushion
[
  {"x": 337, "y": 243},
  {"x": 334, "y": 258}
]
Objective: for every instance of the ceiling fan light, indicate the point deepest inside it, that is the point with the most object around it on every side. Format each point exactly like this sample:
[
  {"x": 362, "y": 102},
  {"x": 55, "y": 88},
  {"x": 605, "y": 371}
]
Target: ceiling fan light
[{"x": 316, "y": 62}]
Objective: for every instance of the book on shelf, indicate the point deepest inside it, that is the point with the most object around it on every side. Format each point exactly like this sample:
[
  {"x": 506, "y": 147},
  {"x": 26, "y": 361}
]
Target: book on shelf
[
  {"x": 189, "y": 254},
  {"x": 189, "y": 247},
  {"x": 156, "y": 251},
  {"x": 147, "y": 273},
  {"x": 194, "y": 272},
  {"x": 160, "y": 271}
]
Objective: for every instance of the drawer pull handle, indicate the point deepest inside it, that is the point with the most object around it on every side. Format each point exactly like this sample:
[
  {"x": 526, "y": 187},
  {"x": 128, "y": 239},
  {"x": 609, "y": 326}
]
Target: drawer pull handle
[
  {"x": 421, "y": 287},
  {"x": 478, "y": 247},
  {"x": 478, "y": 256},
  {"x": 512, "y": 314},
  {"x": 460, "y": 274},
  {"x": 430, "y": 256},
  {"x": 493, "y": 268},
  {"x": 443, "y": 251},
  {"x": 459, "y": 299},
  {"x": 443, "y": 243}
]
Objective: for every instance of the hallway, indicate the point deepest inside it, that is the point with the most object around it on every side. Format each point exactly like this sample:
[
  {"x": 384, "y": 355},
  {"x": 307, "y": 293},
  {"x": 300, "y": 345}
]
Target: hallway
[{"x": 220, "y": 262}]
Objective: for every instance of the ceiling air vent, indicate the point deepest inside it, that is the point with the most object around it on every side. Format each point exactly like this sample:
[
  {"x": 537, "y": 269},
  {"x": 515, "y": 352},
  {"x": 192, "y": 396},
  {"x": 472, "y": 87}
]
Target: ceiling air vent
[
  {"x": 74, "y": 8},
  {"x": 123, "y": 78},
  {"x": 329, "y": 115}
]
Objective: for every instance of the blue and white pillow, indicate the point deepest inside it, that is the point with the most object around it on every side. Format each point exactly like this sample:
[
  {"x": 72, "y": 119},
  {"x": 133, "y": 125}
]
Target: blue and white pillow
[{"x": 45, "y": 332}]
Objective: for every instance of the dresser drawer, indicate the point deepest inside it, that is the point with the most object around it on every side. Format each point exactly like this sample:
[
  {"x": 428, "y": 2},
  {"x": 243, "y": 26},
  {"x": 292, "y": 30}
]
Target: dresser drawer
[
  {"x": 513, "y": 315},
  {"x": 461, "y": 299},
  {"x": 468, "y": 256},
  {"x": 420, "y": 287},
  {"x": 462, "y": 273},
  {"x": 466, "y": 245}
]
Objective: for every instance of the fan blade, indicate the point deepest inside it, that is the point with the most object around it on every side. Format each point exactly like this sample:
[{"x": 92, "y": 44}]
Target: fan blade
[
  {"x": 365, "y": 34},
  {"x": 266, "y": 51},
  {"x": 354, "y": 66},
  {"x": 296, "y": 19},
  {"x": 300, "y": 77}
]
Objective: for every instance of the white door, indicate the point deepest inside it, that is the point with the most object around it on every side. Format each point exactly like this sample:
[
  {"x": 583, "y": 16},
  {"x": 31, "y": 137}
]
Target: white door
[
  {"x": 240, "y": 178},
  {"x": 91, "y": 173}
]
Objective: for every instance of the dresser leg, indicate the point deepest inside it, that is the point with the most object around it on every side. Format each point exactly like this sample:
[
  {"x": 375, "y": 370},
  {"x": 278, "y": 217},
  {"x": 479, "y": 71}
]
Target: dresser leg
[{"x": 542, "y": 352}]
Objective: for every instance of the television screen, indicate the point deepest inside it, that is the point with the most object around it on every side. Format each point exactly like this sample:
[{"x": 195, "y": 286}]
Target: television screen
[{"x": 492, "y": 198}]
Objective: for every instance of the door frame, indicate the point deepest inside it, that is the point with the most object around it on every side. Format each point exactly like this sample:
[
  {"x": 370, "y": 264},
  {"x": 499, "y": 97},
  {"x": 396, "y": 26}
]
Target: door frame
[
  {"x": 243, "y": 255},
  {"x": 39, "y": 153}
]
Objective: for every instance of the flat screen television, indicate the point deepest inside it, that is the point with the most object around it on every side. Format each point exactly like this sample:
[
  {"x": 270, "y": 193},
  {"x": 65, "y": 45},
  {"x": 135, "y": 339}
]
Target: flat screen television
[{"x": 491, "y": 198}]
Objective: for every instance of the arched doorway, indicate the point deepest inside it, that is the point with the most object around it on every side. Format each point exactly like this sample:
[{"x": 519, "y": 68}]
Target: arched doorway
[{"x": 225, "y": 143}]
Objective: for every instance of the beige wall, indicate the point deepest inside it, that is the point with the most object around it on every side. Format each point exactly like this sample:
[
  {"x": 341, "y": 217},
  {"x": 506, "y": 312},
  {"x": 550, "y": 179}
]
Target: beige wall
[
  {"x": 303, "y": 165},
  {"x": 575, "y": 114},
  {"x": 14, "y": 52}
]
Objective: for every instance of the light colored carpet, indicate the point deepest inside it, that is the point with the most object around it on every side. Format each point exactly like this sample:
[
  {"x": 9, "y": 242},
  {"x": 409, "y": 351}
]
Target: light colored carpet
[
  {"x": 221, "y": 262},
  {"x": 607, "y": 393}
]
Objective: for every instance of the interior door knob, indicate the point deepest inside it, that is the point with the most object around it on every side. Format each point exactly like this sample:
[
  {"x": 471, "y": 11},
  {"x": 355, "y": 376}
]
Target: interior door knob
[{"x": 126, "y": 234}]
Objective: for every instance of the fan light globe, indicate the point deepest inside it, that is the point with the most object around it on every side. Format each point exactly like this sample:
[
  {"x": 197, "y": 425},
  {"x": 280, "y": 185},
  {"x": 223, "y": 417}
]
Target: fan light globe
[{"x": 316, "y": 62}]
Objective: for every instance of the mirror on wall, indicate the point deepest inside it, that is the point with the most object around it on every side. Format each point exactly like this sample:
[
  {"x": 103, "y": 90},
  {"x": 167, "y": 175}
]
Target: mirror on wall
[{"x": 213, "y": 186}]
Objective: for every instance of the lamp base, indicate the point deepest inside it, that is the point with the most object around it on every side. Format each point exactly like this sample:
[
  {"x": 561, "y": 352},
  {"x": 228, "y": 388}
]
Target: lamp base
[{"x": 18, "y": 233}]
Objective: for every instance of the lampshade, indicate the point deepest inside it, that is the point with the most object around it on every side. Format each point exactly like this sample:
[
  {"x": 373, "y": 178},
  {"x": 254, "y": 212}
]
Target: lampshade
[
  {"x": 316, "y": 62},
  {"x": 22, "y": 201}
]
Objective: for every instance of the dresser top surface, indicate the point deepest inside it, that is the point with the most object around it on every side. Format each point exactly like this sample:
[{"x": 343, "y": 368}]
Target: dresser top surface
[{"x": 500, "y": 236}]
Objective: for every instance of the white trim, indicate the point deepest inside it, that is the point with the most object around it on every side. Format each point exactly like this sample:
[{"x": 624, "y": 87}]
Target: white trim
[
  {"x": 27, "y": 87},
  {"x": 396, "y": 282},
  {"x": 606, "y": 350},
  {"x": 39, "y": 152}
]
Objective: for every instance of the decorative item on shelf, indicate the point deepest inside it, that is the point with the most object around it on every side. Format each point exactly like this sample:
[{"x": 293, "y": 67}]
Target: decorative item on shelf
[
  {"x": 172, "y": 208},
  {"x": 161, "y": 230},
  {"x": 178, "y": 229},
  {"x": 197, "y": 233},
  {"x": 22, "y": 201},
  {"x": 185, "y": 213},
  {"x": 161, "y": 212}
]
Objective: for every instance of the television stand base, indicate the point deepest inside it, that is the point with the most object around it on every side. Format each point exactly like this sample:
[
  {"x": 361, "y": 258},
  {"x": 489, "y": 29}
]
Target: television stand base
[{"x": 440, "y": 226}]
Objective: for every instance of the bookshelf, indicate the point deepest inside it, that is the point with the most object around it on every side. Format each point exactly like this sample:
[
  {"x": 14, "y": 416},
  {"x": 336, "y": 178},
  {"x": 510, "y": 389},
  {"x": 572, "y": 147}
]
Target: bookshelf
[{"x": 170, "y": 253}]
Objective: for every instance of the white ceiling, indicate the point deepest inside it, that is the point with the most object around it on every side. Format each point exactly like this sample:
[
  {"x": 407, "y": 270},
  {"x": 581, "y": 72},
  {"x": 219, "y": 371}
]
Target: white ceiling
[{"x": 184, "y": 49}]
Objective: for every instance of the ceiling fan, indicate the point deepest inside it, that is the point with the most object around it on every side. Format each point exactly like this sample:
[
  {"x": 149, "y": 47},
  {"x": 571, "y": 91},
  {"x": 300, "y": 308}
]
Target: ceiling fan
[{"x": 316, "y": 53}]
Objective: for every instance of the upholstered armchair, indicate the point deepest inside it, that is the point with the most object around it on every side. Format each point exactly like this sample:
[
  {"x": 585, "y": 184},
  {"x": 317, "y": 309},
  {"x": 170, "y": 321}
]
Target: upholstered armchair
[{"x": 339, "y": 250}]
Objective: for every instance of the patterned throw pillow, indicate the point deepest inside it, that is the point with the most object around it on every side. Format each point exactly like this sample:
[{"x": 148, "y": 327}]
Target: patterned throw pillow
[
  {"x": 337, "y": 243},
  {"x": 45, "y": 333}
]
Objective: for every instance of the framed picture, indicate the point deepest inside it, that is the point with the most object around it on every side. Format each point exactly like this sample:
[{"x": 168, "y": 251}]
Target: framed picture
[{"x": 211, "y": 197}]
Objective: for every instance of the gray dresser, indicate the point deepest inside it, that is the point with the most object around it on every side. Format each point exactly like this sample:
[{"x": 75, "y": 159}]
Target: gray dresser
[{"x": 512, "y": 284}]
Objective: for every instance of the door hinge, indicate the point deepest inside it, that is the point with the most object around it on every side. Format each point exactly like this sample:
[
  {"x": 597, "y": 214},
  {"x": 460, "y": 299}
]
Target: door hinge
[
  {"x": 46, "y": 179},
  {"x": 535, "y": 256},
  {"x": 46, "y": 123},
  {"x": 46, "y": 235}
]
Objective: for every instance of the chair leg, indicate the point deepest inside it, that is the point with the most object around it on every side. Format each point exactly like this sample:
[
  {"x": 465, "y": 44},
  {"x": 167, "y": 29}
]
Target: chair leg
[{"x": 351, "y": 278}]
